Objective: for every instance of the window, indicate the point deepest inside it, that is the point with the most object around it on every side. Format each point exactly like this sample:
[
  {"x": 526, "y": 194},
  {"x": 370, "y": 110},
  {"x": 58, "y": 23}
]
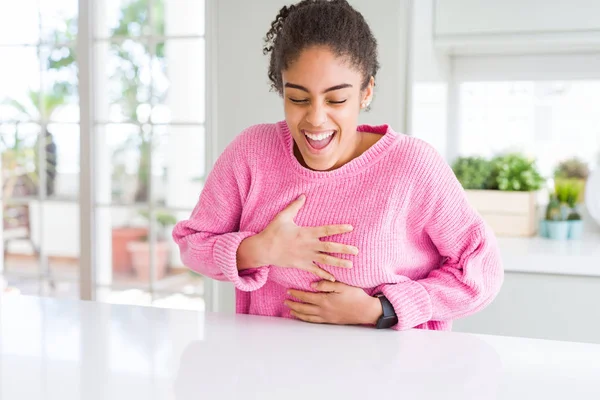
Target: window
[
  {"x": 148, "y": 118},
  {"x": 39, "y": 143},
  {"x": 544, "y": 106},
  {"x": 549, "y": 120}
]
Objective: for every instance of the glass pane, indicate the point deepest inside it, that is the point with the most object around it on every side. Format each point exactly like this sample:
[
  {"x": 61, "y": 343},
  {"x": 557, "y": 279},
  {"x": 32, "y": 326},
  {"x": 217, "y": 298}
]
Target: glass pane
[
  {"x": 62, "y": 157},
  {"x": 20, "y": 83},
  {"x": 179, "y": 81},
  {"x": 19, "y": 22},
  {"x": 20, "y": 233},
  {"x": 59, "y": 21},
  {"x": 163, "y": 221},
  {"x": 183, "y": 17},
  {"x": 550, "y": 120},
  {"x": 122, "y": 18},
  {"x": 178, "y": 165},
  {"x": 19, "y": 167},
  {"x": 180, "y": 279},
  {"x": 122, "y": 234},
  {"x": 123, "y": 82},
  {"x": 122, "y": 163},
  {"x": 60, "y": 227},
  {"x": 60, "y": 101}
]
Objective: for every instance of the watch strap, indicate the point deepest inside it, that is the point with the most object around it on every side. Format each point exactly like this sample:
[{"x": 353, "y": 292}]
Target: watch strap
[{"x": 389, "y": 317}]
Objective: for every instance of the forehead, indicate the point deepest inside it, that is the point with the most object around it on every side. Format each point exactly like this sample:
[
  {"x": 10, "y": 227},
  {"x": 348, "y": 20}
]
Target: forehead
[{"x": 318, "y": 67}]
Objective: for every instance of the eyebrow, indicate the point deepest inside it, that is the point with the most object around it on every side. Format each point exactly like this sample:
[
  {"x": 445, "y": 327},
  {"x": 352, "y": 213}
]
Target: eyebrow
[{"x": 336, "y": 87}]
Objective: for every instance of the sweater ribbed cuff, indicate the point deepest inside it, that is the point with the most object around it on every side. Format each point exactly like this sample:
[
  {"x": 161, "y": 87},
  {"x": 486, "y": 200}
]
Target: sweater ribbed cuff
[
  {"x": 411, "y": 302},
  {"x": 225, "y": 253}
]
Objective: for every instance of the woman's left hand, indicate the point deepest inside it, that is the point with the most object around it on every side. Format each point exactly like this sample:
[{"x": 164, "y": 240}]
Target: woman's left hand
[{"x": 335, "y": 303}]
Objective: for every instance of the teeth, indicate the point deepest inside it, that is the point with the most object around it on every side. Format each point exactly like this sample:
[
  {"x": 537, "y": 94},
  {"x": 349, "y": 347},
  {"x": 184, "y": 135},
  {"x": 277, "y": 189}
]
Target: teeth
[{"x": 320, "y": 136}]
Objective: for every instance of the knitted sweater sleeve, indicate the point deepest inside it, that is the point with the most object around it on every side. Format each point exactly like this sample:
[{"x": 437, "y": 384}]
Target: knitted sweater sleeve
[
  {"x": 471, "y": 273},
  {"x": 209, "y": 239}
]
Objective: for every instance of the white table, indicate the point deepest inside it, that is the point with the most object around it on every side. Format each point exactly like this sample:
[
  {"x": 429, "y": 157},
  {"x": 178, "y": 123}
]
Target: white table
[{"x": 58, "y": 349}]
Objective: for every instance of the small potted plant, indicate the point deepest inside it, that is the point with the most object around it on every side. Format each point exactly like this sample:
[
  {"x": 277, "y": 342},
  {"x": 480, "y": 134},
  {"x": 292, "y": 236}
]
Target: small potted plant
[
  {"x": 573, "y": 169},
  {"x": 556, "y": 227},
  {"x": 140, "y": 249},
  {"x": 573, "y": 189},
  {"x": 472, "y": 172},
  {"x": 563, "y": 220},
  {"x": 503, "y": 190}
]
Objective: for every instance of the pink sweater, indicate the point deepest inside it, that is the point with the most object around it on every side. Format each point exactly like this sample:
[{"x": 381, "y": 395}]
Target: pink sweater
[{"x": 421, "y": 244}]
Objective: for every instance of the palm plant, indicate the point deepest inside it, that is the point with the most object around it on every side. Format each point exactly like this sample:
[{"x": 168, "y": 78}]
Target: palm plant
[
  {"x": 37, "y": 107},
  {"x": 20, "y": 162}
]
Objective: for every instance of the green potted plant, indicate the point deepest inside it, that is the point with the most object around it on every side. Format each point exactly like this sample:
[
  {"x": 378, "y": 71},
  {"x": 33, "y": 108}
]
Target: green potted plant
[
  {"x": 575, "y": 169},
  {"x": 568, "y": 192},
  {"x": 503, "y": 190},
  {"x": 514, "y": 172},
  {"x": 472, "y": 172},
  {"x": 555, "y": 225},
  {"x": 140, "y": 249},
  {"x": 562, "y": 220}
]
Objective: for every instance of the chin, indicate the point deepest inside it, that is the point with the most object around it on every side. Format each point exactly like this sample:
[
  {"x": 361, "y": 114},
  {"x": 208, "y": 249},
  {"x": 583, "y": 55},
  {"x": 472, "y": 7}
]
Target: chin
[{"x": 321, "y": 165}]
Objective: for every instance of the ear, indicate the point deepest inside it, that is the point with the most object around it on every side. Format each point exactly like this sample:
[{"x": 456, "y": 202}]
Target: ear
[{"x": 367, "y": 94}]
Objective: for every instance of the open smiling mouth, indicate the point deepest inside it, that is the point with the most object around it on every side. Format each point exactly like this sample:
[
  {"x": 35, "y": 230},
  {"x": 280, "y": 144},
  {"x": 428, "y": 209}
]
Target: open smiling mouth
[{"x": 318, "y": 141}]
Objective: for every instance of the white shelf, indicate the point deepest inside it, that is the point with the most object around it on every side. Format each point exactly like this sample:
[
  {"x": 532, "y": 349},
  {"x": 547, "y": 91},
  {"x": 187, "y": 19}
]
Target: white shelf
[{"x": 545, "y": 256}]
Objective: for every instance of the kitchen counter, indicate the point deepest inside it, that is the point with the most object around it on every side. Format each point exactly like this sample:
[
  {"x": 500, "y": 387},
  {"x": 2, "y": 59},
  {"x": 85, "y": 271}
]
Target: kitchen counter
[
  {"x": 538, "y": 255},
  {"x": 60, "y": 349}
]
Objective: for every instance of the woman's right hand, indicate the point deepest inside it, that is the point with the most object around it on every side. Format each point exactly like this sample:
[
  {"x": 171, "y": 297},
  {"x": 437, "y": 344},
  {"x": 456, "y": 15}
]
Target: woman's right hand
[{"x": 284, "y": 244}]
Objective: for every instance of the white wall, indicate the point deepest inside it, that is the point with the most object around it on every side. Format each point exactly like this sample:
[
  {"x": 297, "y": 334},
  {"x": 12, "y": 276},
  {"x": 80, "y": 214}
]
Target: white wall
[
  {"x": 242, "y": 82},
  {"x": 242, "y": 95},
  {"x": 486, "y": 17},
  {"x": 517, "y": 26},
  {"x": 430, "y": 74}
]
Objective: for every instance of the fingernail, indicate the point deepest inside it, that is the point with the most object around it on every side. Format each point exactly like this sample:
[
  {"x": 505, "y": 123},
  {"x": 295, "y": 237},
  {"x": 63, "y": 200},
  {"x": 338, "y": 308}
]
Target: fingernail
[
  {"x": 288, "y": 292},
  {"x": 313, "y": 285},
  {"x": 332, "y": 279},
  {"x": 302, "y": 197}
]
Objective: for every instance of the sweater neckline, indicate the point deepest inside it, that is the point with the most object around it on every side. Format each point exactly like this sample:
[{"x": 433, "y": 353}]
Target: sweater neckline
[{"x": 357, "y": 165}]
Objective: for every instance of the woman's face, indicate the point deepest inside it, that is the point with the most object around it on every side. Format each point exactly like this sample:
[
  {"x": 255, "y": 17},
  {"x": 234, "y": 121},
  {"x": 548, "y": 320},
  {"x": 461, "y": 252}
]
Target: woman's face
[{"x": 322, "y": 99}]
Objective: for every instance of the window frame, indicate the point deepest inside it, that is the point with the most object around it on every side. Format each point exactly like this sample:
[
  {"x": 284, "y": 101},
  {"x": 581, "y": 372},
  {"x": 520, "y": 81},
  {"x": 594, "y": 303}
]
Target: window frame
[{"x": 537, "y": 67}]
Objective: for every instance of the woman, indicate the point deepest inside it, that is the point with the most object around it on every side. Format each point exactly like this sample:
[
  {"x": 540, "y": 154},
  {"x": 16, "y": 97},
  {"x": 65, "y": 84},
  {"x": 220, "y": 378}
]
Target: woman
[{"x": 327, "y": 221}]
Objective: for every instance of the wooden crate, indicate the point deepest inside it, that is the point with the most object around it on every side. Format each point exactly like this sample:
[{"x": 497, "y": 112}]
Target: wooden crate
[{"x": 508, "y": 213}]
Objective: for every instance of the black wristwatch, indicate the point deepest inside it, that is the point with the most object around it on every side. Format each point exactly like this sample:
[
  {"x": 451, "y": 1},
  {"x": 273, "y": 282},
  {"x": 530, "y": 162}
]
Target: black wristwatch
[{"x": 389, "y": 317}]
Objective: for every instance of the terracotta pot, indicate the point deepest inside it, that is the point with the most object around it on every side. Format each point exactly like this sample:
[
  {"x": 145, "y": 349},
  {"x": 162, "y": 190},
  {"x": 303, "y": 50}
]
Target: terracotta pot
[
  {"x": 121, "y": 237},
  {"x": 140, "y": 257}
]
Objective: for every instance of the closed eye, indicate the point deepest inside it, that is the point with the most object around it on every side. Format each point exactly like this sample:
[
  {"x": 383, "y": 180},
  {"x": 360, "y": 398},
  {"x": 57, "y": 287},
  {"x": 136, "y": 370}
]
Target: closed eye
[{"x": 297, "y": 101}]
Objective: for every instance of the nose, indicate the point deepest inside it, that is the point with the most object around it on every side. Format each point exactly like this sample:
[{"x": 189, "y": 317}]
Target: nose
[{"x": 316, "y": 115}]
